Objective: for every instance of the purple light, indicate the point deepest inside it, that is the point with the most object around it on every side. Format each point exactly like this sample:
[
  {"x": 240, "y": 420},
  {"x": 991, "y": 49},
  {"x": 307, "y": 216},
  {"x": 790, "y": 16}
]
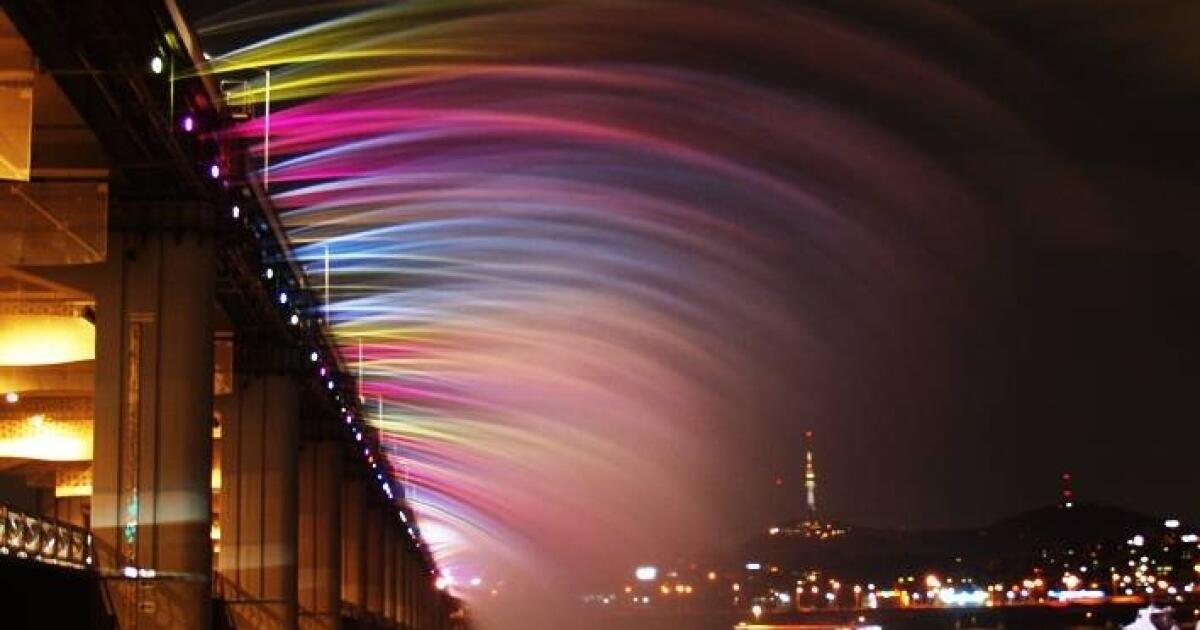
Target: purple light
[
  {"x": 189, "y": 123},
  {"x": 214, "y": 171}
]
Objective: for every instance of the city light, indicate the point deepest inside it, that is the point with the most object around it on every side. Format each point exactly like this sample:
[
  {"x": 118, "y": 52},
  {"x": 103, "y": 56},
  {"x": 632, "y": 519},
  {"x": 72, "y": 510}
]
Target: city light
[
  {"x": 962, "y": 598},
  {"x": 12, "y": 398},
  {"x": 1071, "y": 581},
  {"x": 646, "y": 573},
  {"x": 156, "y": 64}
]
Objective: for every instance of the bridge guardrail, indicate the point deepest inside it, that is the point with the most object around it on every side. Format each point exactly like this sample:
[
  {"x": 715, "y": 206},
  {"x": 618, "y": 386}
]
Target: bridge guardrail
[{"x": 44, "y": 539}]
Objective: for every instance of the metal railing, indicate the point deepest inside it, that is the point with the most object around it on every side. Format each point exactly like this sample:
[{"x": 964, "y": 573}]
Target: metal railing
[
  {"x": 44, "y": 539},
  {"x": 236, "y": 604}
]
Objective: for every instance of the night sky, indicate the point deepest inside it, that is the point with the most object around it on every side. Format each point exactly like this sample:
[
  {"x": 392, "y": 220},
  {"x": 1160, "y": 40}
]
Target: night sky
[
  {"x": 1068, "y": 340},
  {"x": 1033, "y": 308}
]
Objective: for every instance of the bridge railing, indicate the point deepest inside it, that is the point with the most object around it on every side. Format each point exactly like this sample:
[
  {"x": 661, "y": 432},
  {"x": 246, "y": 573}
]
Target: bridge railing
[{"x": 41, "y": 539}]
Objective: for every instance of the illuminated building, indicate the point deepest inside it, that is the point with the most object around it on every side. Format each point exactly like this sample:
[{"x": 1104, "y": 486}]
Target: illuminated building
[
  {"x": 808, "y": 525},
  {"x": 810, "y": 477}
]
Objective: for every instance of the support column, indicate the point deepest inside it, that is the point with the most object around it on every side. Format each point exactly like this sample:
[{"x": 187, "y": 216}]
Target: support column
[
  {"x": 391, "y": 568},
  {"x": 374, "y": 559},
  {"x": 151, "y": 503},
  {"x": 398, "y": 575},
  {"x": 426, "y": 605},
  {"x": 418, "y": 591},
  {"x": 259, "y": 498},
  {"x": 354, "y": 566},
  {"x": 406, "y": 587},
  {"x": 389, "y": 549},
  {"x": 321, "y": 535},
  {"x": 412, "y": 572}
]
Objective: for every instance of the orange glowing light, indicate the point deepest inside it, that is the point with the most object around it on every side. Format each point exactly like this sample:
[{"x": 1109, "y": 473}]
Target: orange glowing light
[{"x": 36, "y": 339}]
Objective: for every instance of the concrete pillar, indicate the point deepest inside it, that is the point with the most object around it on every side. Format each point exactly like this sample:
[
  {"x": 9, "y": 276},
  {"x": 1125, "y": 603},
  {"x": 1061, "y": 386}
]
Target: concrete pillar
[
  {"x": 397, "y": 574},
  {"x": 389, "y": 568},
  {"x": 321, "y": 535},
  {"x": 354, "y": 566},
  {"x": 375, "y": 555},
  {"x": 426, "y": 606},
  {"x": 151, "y": 503},
  {"x": 412, "y": 565},
  {"x": 418, "y": 591},
  {"x": 405, "y": 584},
  {"x": 259, "y": 499}
]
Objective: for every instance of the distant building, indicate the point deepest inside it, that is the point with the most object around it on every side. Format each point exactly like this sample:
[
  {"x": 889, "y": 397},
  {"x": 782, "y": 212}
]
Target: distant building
[
  {"x": 810, "y": 477},
  {"x": 808, "y": 525}
]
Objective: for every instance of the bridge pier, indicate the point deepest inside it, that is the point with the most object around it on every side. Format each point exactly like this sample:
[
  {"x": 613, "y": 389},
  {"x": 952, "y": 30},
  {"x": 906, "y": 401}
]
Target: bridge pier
[
  {"x": 375, "y": 552},
  {"x": 389, "y": 570},
  {"x": 354, "y": 565},
  {"x": 257, "y": 570},
  {"x": 320, "y": 582},
  {"x": 151, "y": 502}
]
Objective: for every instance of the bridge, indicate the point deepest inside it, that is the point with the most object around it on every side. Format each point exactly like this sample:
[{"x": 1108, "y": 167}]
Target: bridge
[{"x": 181, "y": 444}]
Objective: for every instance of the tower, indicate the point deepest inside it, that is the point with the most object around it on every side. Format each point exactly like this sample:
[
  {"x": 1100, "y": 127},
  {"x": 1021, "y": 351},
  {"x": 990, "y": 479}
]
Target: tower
[
  {"x": 810, "y": 476},
  {"x": 1068, "y": 497}
]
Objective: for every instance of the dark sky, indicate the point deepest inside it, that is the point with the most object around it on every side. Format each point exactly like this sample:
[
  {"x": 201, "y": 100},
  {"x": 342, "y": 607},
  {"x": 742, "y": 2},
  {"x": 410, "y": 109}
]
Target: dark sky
[
  {"x": 1069, "y": 342},
  {"x": 1053, "y": 328}
]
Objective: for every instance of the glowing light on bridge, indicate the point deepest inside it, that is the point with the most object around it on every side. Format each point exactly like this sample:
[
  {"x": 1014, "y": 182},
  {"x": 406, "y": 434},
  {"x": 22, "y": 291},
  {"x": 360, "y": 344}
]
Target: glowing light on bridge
[{"x": 31, "y": 338}]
